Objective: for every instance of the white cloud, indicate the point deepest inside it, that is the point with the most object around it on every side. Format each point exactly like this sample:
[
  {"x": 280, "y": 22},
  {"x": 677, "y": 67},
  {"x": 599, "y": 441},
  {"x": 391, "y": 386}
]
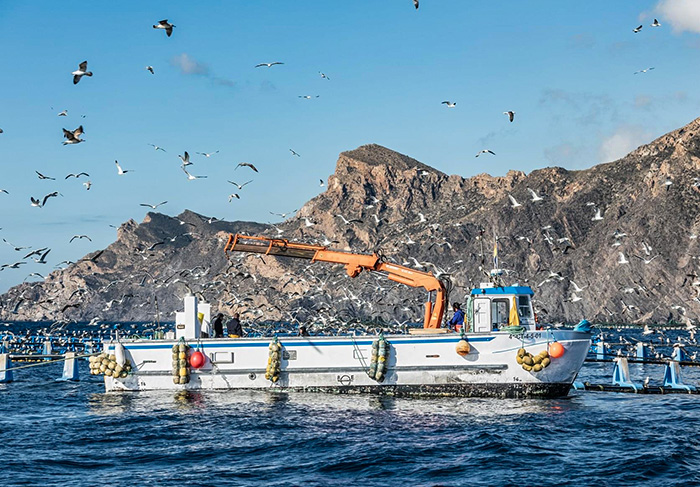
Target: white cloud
[
  {"x": 683, "y": 15},
  {"x": 625, "y": 139},
  {"x": 189, "y": 65}
]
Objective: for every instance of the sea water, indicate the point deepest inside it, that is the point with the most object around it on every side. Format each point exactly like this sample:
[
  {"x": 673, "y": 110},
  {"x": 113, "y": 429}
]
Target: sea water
[{"x": 73, "y": 433}]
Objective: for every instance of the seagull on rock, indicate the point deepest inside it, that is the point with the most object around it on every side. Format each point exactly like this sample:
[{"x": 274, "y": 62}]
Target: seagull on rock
[
  {"x": 164, "y": 24},
  {"x": 80, "y": 72}
]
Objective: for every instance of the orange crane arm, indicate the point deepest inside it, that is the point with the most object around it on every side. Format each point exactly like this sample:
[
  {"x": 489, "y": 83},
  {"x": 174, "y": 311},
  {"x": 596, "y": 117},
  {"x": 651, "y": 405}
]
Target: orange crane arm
[{"x": 354, "y": 264}]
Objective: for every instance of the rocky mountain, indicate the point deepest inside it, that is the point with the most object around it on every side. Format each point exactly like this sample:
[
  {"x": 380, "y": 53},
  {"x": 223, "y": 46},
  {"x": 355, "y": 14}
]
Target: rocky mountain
[{"x": 613, "y": 243}]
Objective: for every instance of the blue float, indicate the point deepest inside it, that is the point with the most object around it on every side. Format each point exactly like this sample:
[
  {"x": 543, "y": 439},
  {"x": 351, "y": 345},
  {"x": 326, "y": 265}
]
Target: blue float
[
  {"x": 621, "y": 375},
  {"x": 672, "y": 377}
]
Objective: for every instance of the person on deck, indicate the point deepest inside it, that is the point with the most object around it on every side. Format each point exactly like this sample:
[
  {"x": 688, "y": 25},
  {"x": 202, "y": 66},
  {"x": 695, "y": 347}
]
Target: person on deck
[
  {"x": 458, "y": 317},
  {"x": 234, "y": 328},
  {"x": 219, "y": 326}
]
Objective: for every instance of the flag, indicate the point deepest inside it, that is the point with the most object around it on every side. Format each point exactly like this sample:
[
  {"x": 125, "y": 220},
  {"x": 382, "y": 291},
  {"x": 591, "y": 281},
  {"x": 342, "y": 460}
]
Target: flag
[{"x": 495, "y": 254}]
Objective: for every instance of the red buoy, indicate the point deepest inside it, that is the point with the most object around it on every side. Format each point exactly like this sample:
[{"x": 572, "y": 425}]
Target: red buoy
[
  {"x": 556, "y": 350},
  {"x": 197, "y": 359}
]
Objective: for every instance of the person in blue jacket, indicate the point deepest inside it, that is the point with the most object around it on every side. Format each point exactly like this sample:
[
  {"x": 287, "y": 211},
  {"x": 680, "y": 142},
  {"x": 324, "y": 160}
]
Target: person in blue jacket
[{"x": 458, "y": 317}]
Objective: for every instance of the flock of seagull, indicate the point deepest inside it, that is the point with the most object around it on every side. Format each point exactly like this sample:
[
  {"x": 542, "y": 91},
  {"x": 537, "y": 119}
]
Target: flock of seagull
[{"x": 324, "y": 312}]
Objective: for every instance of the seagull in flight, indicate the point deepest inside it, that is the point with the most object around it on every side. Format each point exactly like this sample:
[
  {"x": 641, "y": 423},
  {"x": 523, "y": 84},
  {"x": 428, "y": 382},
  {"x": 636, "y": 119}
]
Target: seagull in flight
[
  {"x": 64, "y": 113},
  {"x": 511, "y": 114},
  {"x": 79, "y": 237},
  {"x": 185, "y": 159},
  {"x": 644, "y": 70},
  {"x": 150, "y": 69},
  {"x": 294, "y": 153},
  {"x": 42, "y": 176},
  {"x": 74, "y": 136},
  {"x": 284, "y": 215},
  {"x": 324, "y": 76},
  {"x": 240, "y": 186},
  {"x": 164, "y": 24},
  {"x": 207, "y": 154},
  {"x": 121, "y": 171},
  {"x": 535, "y": 196},
  {"x": 637, "y": 29},
  {"x": 76, "y": 176},
  {"x": 308, "y": 97},
  {"x": 153, "y": 207},
  {"x": 415, "y": 4},
  {"x": 233, "y": 195},
  {"x": 192, "y": 177},
  {"x": 450, "y": 104},
  {"x": 80, "y": 72},
  {"x": 87, "y": 185},
  {"x": 656, "y": 23},
  {"x": 321, "y": 183},
  {"x": 485, "y": 151},
  {"x": 269, "y": 65},
  {"x": 513, "y": 202},
  {"x": 40, "y": 204},
  {"x": 597, "y": 217},
  {"x": 157, "y": 147},
  {"x": 246, "y": 164},
  {"x": 622, "y": 259},
  {"x": 348, "y": 222}
]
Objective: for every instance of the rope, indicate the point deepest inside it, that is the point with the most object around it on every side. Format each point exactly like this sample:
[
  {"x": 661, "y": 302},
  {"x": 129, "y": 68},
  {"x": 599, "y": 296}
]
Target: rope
[{"x": 48, "y": 362}]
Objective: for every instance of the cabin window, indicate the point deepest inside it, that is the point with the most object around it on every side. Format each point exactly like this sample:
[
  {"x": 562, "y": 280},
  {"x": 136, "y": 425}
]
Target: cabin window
[
  {"x": 499, "y": 313},
  {"x": 524, "y": 307}
]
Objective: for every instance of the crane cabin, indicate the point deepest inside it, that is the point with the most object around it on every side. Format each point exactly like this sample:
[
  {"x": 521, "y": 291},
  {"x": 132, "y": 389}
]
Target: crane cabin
[{"x": 491, "y": 308}]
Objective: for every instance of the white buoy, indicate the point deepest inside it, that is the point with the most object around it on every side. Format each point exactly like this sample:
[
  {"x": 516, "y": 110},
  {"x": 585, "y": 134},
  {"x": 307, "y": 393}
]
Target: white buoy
[{"x": 119, "y": 354}]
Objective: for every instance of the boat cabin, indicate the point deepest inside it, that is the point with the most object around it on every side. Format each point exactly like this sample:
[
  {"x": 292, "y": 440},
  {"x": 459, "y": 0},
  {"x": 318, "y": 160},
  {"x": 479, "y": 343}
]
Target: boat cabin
[{"x": 490, "y": 308}]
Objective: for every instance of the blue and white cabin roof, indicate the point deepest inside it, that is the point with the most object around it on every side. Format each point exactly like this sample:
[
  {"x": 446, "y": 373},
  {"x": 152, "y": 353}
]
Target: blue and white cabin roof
[{"x": 511, "y": 290}]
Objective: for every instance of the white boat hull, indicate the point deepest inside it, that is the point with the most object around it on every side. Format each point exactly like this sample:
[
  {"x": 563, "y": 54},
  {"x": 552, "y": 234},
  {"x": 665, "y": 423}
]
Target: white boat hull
[{"x": 421, "y": 365}]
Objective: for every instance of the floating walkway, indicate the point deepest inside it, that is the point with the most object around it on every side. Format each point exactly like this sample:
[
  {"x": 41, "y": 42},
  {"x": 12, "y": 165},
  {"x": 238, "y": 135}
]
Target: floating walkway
[{"x": 621, "y": 381}]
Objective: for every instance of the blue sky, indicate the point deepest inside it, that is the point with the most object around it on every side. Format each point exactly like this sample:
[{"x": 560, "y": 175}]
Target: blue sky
[{"x": 566, "y": 69}]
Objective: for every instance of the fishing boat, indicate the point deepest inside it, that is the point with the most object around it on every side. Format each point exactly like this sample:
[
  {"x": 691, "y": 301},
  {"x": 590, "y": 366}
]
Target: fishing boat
[{"x": 500, "y": 351}]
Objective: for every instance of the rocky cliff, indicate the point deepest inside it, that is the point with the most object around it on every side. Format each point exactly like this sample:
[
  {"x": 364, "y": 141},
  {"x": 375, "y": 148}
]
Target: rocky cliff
[{"x": 614, "y": 243}]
